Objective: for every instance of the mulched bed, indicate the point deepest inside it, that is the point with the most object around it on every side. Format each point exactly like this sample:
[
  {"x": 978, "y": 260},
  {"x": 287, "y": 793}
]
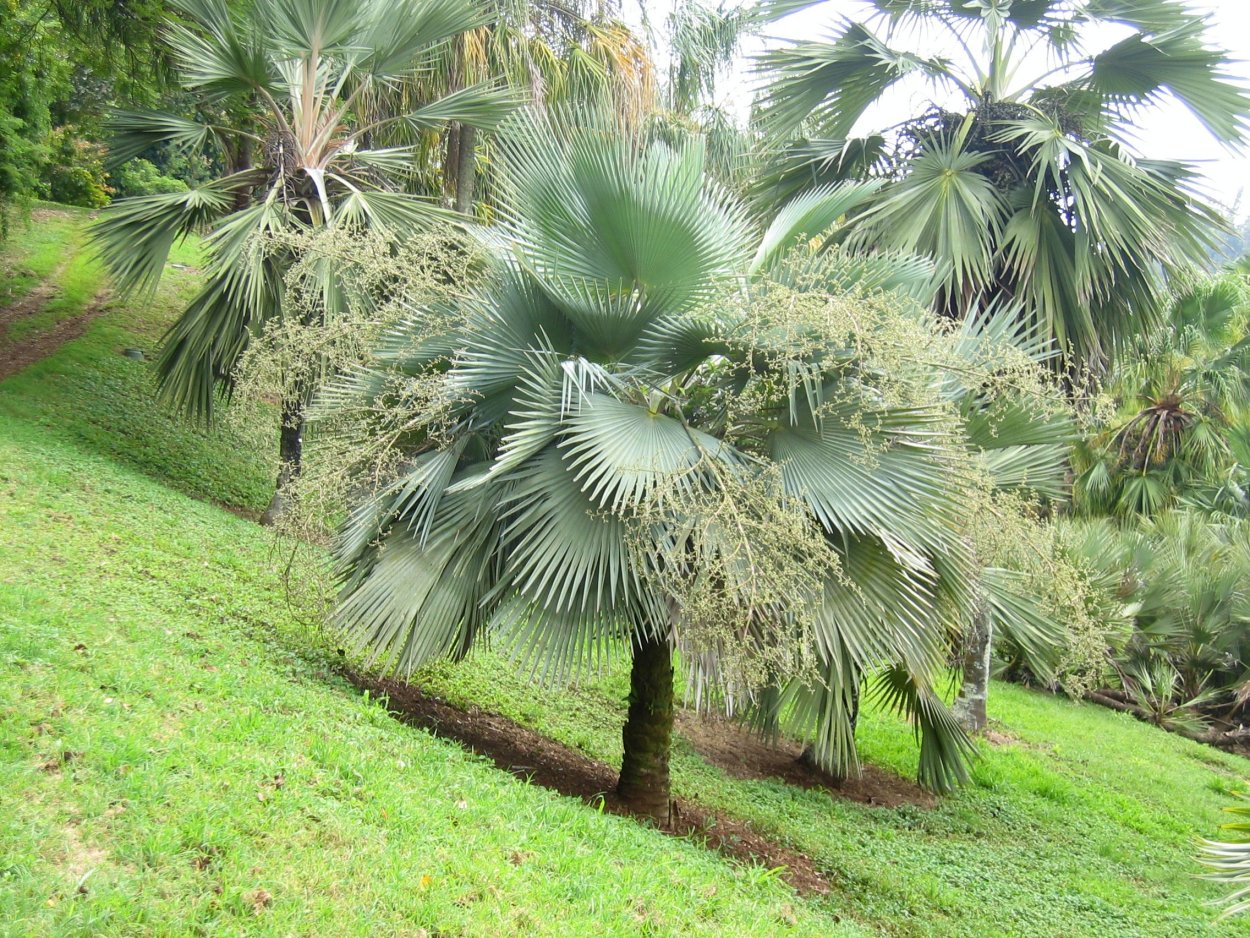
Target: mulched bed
[
  {"x": 529, "y": 755},
  {"x": 744, "y": 754}
]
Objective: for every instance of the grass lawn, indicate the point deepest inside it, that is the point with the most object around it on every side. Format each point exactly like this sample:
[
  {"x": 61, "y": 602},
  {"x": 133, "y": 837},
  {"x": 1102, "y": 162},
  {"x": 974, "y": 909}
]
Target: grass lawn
[
  {"x": 50, "y": 247},
  {"x": 178, "y": 754},
  {"x": 37, "y": 246}
]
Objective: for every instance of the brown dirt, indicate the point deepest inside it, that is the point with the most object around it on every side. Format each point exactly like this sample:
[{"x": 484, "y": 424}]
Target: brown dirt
[
  {"x": 79, "y": 859},
  {"x": 46, "y": 214},
  {"x": 743, "y": 754},
  {"x": 16, "y": 356},
  {"x": 32, "y": 301},
  {"x": 543, "y": 761},
  {"x": 240, "y": 511},
  {"x": 27, "y": 304}
]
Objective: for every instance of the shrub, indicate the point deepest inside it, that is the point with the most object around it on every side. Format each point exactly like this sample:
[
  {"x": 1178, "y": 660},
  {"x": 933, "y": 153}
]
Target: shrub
[
  {"x": 141, "y": 177},
  {"x": 74, "y": 173}
]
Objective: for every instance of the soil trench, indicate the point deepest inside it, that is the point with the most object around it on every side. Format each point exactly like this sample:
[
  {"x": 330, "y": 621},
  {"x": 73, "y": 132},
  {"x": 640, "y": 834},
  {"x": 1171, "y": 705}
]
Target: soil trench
[{"x": 545, "y": 762}]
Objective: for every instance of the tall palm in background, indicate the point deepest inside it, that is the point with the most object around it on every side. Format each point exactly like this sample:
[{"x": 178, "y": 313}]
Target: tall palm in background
[
  {"x": 1020, "y": 178},
  {"x": 636, "y": 445},
  {"x": 307, "y": 72},
  {"x": 701, "y": 44}
]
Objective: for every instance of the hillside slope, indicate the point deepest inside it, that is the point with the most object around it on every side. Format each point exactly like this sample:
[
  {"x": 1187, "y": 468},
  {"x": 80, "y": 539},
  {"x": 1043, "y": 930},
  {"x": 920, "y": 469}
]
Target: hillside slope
[{"x": 179, "y": 754}]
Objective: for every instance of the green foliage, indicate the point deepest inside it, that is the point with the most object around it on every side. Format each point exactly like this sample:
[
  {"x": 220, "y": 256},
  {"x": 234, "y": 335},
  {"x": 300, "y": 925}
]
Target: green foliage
[
  {"x": 140, "y": 177},
  {"x": 1228, "y": 862},
  {"x": 61, "y": 64},
  {"x": 74, "y": 173},
  {"x": 313, "y": 159},
  {"x": 196, "y": 686},
  {"x": 1167, "y": 461},
  {"x": 98, "y": 398},
  {"x": 195, "y": 743},
  {"x": 1179, "y": 398},
  {"x": 1184, "y": 582}
]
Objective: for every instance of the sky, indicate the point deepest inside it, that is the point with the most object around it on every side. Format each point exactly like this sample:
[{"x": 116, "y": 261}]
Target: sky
[{"x": 1165, "y": 132}]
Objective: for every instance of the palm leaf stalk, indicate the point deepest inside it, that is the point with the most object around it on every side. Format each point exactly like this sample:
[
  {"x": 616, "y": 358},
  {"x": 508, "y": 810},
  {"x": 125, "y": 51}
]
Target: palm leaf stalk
[
  {"x": 629, "y": 438},
  {"x": 306, "y": 70},
  {"x": 1228, "y": 862}
]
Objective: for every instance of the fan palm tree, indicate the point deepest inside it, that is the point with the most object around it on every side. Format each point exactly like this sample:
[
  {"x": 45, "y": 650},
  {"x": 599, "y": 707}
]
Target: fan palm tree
[
  {"x": 556, "y": 52},
  {"x": 636, "y": 441},
  {"x": 305, "y": 71},
  {"x": 1182, "y": 393},
  {"x": 1027, "y": 189}
]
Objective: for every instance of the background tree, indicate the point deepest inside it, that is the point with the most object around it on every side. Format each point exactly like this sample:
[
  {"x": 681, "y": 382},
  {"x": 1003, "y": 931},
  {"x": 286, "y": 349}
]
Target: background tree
[
  {"x": 701, "y": 44},
  {"x": 1180, "y": 433},
  {"x": 304, "y": 159},
  {"x": 1027, "y": 191},
  {"x": 61, "y": 65},
  {"x": 556, "y": 53}
]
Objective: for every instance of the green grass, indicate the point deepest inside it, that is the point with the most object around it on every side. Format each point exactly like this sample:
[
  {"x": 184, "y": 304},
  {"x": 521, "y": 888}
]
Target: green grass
[
  {"x": 36, "y": 247},
  {"x": 53, "y": 247},
  {"x": 1083, "y": 824},
  {"x": 153, "y": 694},
  {"x": 175, "y": 741},
  {"x": 90, "y": 393}
]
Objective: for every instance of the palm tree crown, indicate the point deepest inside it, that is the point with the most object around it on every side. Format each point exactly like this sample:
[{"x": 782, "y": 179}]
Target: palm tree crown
[
  {"x": 1028, "y": 191},
  {"x": 306, "y": 70}
]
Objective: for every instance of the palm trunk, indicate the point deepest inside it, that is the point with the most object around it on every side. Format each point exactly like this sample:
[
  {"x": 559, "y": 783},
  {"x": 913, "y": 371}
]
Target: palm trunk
[
  {"x": 451, "y": 164},
  {"x": 290, "y": 454},
  {"x": 644, "y": 783},
  {"x": 466, "y": 172},
  {"x": 969, "y": 707},
  {"x": 242, "y": 162}
]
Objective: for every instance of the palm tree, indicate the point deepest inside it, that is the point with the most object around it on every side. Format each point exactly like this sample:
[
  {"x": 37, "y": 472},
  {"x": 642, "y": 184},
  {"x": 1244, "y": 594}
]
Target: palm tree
[
  {"x": 655, "y": 427},
  {"x": 1181, "y": 432},
  {"x": 1028, "y": 189},
  {"x": 304, "y": 159},
  {"x": 556, "y": 53},
  {"x": 702, "y": 42}
]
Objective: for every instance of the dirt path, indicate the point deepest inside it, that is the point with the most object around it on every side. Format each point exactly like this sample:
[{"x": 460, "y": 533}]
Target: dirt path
[
  {"x": 16, "y": 356},
  {"x": 545, "y": 762},
  {"x": 31, "y": 302}
]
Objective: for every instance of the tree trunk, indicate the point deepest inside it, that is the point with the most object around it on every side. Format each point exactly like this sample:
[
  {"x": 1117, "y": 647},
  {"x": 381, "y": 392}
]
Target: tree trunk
[
  {"x": 648, "y": 732},
  {"x": 242, "y": 163},
  {"x": 290, "y": 454},
  {"x": 467, "y": 170},
  {"x": 969, "y": 707},
  {"x": 451, "y": 165}
]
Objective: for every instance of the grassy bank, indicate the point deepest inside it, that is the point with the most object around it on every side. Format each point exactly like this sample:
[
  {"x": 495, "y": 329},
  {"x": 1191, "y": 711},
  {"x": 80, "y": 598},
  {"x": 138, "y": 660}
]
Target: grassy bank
[{"x": 178, "y": 754}]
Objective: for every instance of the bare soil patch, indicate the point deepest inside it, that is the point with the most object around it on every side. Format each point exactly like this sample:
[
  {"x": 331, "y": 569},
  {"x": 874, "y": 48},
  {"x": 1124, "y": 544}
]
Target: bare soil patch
[
  {"x": 16, "y": 356},
  {"x": 744, "y": 754},
  {"x": 47, "y": 214},
  {"x": 527, "y": 754},
  {"x": 33, "y": 300},
  {"x": 80, "y": 859}
]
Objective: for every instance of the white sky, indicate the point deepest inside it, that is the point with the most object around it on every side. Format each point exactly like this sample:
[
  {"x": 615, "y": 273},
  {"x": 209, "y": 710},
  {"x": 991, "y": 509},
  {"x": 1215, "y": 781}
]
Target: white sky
[{"x": 1165, "y": 132}]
